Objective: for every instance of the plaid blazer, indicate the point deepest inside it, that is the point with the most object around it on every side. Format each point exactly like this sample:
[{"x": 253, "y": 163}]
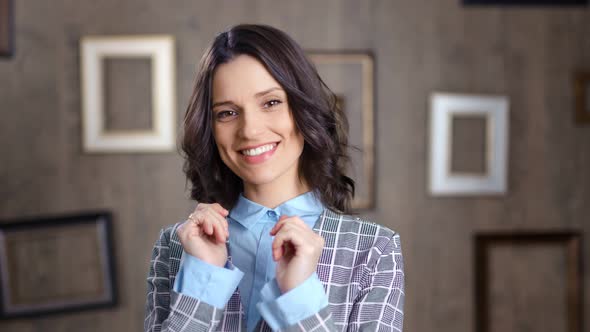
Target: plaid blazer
[{"x": 361, "y": 268}]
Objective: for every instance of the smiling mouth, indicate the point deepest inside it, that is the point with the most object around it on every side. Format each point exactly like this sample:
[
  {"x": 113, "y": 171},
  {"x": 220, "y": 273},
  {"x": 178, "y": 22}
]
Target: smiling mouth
[{"x": 259, "y": 150}]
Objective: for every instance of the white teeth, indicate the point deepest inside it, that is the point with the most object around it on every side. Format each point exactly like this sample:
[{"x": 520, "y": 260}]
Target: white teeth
[{"x": 259, "y": 150}]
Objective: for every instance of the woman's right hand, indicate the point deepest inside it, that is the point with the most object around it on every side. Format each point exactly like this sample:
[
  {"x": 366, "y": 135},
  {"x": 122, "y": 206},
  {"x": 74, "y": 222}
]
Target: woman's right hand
[{"x": 204, "y": 234}]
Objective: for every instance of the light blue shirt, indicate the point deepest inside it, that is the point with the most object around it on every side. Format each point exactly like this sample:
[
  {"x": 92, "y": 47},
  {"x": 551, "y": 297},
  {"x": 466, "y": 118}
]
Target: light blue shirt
[{"x": 251, "y": 250}]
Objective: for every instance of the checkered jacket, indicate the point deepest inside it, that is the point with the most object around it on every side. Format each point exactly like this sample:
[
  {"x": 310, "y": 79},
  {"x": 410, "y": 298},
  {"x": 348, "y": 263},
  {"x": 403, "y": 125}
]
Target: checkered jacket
[{"x": 361, "y": 268}]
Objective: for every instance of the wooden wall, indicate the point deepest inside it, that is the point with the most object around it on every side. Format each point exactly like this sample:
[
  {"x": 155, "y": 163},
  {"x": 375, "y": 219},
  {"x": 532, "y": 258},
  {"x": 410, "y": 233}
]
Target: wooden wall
[{"x": 420, "y": 46}]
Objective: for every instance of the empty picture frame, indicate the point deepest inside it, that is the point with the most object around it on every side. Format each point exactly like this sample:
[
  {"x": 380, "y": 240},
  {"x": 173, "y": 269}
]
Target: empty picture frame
[
  {"x": 582, "y": 97},
  {"x": 55, "y": 264},
  {"x": 350, "y": 75},
  {"x": 536, "y": 273},
  {"x": 446, "y": 109},
  {"x": 6, "y": 28},
  {"x": 160, "y": 50}
]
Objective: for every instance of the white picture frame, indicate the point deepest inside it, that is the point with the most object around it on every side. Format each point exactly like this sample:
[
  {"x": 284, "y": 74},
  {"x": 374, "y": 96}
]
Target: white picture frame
[
  {"x": 160, "y": 50},
  {"x": 494, "y": 109}
]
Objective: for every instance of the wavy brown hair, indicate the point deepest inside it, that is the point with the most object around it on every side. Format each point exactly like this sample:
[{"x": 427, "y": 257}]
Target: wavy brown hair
[{"x": 317, "y": 115}]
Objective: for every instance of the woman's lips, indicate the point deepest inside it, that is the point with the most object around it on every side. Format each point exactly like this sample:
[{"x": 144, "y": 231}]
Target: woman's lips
[{"x": 259, "y": 158}]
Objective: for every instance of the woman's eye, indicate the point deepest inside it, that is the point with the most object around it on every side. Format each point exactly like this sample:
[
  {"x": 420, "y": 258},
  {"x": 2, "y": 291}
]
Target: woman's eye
[
  {"x": 225, "y": 115},
  {"x": 272, "y": 103}
]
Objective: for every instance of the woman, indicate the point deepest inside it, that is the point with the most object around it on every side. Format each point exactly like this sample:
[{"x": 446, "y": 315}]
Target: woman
[{"x": 269, "y": 246}]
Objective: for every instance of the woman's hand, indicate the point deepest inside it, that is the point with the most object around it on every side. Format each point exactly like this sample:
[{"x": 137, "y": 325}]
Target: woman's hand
[
  {"x": 297, "y": 249},
  {"x": 204, "y": 234}
]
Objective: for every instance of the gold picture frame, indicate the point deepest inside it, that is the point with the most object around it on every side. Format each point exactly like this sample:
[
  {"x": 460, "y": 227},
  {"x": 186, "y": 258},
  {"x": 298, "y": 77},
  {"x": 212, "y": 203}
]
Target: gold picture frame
[{"x": 350, "y": 75}]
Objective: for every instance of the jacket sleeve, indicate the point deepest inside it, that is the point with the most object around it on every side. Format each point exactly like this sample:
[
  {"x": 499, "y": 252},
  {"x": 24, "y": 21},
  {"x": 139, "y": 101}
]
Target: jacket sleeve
[
  {"x": 282, "y": 310},
  {"x": 379, "y": 305},
  {"x": 167, "y": 310}
]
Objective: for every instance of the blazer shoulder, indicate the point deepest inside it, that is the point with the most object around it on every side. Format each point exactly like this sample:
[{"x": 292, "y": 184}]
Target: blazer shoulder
[
  {"x": 168, "y": 233},
  {"x": 369, "y": 241},
  {"x": 170, "y": 248},
  {"x": 170, "y": 230},
  {"x": 365, "y": 234},
  {"x": 359, "y": 225}
]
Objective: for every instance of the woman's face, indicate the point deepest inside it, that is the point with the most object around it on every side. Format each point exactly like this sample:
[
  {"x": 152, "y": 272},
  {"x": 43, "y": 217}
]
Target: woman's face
[{"x": 253, "y": 126}]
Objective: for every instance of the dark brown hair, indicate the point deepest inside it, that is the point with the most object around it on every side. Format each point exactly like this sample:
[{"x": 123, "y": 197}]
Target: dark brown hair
[{"x": 322, "y": 123}]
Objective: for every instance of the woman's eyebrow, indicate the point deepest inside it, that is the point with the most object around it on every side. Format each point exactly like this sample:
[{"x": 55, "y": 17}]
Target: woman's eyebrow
[
  {"x": 262, "y": 93},
  {"x": 257, "y": 95},
  {"x": 221, "y": 103}
]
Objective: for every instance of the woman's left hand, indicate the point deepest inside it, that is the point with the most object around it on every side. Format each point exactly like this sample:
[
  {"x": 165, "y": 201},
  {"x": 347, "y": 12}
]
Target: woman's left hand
[{"x": 296, "y": 248}]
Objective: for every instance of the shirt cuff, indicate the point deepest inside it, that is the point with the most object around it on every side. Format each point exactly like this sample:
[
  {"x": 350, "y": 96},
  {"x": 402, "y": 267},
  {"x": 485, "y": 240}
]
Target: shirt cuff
[
  {"x": 281, "y": 311},
  {"x": 209, "y": 283}
]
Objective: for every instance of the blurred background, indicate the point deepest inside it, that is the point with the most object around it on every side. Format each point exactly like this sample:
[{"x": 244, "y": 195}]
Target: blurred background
[{"x": 528, "y": 54}]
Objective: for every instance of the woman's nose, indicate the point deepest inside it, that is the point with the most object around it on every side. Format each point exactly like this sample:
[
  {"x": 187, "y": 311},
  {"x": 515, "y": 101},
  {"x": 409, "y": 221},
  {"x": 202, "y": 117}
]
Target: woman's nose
[{"x": 251, "y": 124}]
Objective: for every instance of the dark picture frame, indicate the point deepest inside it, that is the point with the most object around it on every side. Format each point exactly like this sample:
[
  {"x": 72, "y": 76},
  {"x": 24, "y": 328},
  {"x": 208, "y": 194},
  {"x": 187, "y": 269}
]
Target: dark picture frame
[
  {"x": 527, "y": 2},
  {"x": 571, "y": 240},
  {"x": 6, "y": 28},
  {"x": 582, "y": 97},
  {"x": 56, "y": 264}
]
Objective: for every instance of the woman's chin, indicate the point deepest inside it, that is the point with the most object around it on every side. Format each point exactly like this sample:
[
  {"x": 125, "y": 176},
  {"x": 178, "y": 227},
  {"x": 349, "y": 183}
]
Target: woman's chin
[{"x": 257, "y": 181}]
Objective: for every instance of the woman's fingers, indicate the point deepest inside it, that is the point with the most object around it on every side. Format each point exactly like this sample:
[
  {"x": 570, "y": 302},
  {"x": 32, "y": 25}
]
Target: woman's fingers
[
  {"x": 217, "y": 226},
  {"x": 278, "y": 225},
  {"x": 221, "y": 209},
  {"x": 289, "y": 235},
  {"x": 204, "y": 234},
  {"x": 294, "y": 237},
  {"x": 277, "y": 252},
  {"x": 296, "y": 248},
  {"x": 211, "y": 221},
  {"x": 277, "y": 246},
  {"x": 215, "y": 206},
  {"x": 201, "y": 221},
  {"x": 296, "y": 221},
  {"x": 216, "y": 211},
  {"x": 221, "y": 232}
]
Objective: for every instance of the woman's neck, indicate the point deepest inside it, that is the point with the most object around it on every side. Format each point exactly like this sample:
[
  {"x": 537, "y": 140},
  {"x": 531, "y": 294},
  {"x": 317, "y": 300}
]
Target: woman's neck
[{"x": 272, "y": 195}]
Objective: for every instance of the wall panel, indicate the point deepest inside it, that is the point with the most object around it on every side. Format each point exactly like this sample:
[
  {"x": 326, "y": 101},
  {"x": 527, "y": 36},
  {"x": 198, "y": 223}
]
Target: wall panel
[{"x": 420, "y": 46}]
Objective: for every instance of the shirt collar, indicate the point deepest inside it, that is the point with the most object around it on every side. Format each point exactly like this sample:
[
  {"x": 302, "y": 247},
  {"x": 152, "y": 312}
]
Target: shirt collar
[{"x": 248, "y": 213}]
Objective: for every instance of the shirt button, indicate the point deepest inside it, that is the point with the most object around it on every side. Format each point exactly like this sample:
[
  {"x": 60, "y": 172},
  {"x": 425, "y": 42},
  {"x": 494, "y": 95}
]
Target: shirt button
[{"x": 271, "y": 214}]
